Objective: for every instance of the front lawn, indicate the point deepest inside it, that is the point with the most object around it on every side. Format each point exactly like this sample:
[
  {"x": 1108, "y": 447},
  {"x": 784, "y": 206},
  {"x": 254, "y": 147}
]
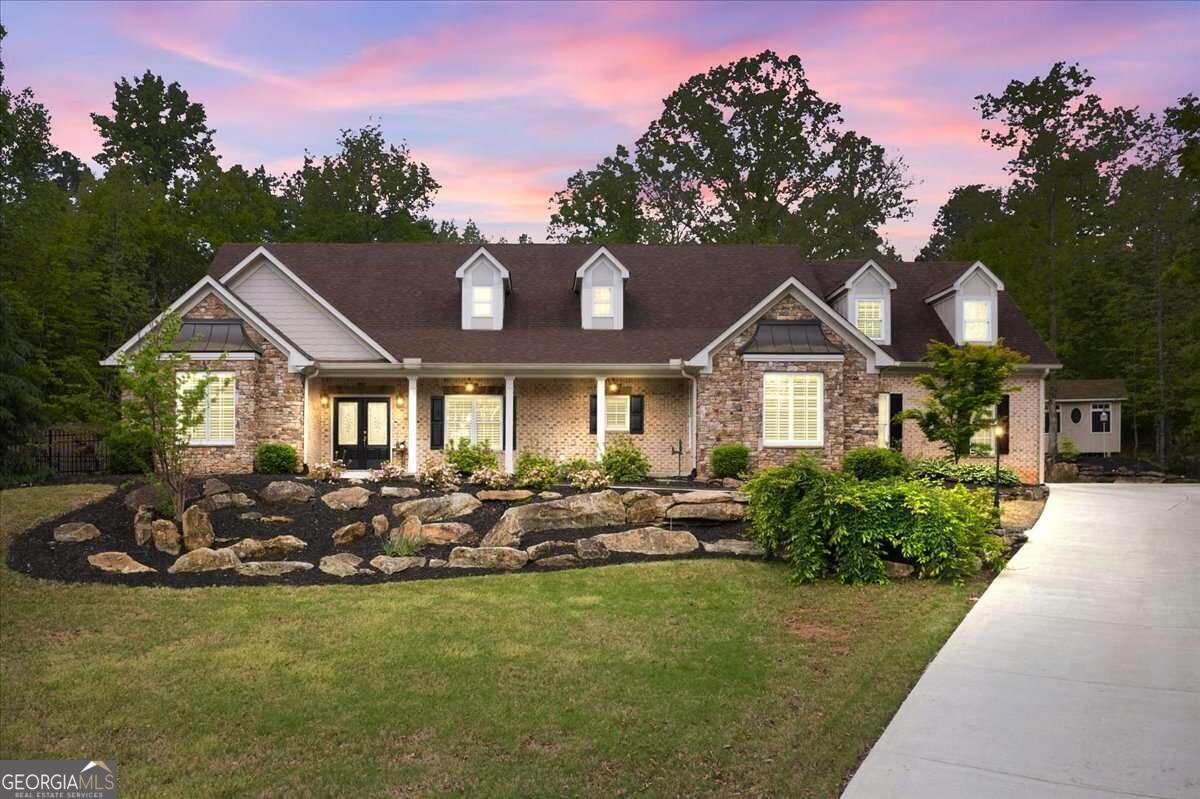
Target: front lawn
[{"x": 712, "y": 677}]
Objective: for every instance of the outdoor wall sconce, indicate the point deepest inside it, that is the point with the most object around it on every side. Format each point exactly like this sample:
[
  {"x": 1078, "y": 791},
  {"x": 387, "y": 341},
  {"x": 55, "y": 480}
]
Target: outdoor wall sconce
[
  {"x": 324, "y": 400},
  {"x": 399, "y": 400}
]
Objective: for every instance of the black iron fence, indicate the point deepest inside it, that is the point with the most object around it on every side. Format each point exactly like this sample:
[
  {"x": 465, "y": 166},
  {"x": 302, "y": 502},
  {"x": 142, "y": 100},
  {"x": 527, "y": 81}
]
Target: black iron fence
[{"x": 72, "y": 453}]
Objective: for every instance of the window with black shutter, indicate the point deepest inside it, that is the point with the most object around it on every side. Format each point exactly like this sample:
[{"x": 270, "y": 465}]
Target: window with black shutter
[
  {"x": 437, "y": 421},
  {"x": 592, "y": 414},
  {"x": 896, "y": 426},
  {"x": 637, "y": 414}
]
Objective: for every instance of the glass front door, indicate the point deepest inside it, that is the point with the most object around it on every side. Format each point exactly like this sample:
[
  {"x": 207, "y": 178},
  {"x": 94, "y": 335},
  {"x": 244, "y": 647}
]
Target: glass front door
[{"x": 361, "y": 431}]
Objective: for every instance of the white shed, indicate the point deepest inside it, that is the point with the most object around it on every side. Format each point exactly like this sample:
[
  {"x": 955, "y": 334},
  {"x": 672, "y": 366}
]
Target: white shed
[{"x": 1089, "y": 414}]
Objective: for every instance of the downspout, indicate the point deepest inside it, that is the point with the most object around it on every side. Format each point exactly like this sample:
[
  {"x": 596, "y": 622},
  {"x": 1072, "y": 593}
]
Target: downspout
[
  {"x": 693, "y": 422},
  {"x": 1047, "y": 419}
]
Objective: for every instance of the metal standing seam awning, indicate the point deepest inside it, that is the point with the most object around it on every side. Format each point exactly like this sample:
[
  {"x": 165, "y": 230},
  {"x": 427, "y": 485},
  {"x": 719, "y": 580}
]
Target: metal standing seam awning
[
  {"x": 214, "y": 335},
  {"x": 801, "y": 337}
]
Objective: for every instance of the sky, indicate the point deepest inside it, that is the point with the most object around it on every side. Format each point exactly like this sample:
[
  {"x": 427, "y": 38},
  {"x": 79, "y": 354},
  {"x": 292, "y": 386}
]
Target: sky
[{"x": 504, "y": 101}]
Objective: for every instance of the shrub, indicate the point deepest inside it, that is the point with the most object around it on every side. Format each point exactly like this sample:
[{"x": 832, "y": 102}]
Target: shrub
[
  {"x": 403, "y": 546},
  {"x": 1067, "y": 451},
  {"x": 590, "y": 479},
  {"x": 729, "y": 460},
  {"x": 491, "y": 478},
  {"x": 624, "y": 461},
  {"x": 276, "y": 458},
  {"x": 436, "y": 473},
  {"x": 874, "y": 463},
  {"x": 468, "y": 458},
  {"x": 388, "y": 471},
  {"x": 567, "y": 468},
  {"x": 327, "y": 471},
  {"x": 775, "y": 495},
  {"x": 535, "y": 471},
  {"x": 128, "y": 451},
  {"x": 978, "y": 473}
]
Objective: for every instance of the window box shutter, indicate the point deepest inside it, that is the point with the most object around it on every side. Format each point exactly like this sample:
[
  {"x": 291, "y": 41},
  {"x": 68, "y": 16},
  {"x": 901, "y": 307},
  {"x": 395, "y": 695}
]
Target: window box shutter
[
  {"x": 896, "y": 427},
  {"x": 592, "y": 414},
  {"x": 637, "y": 413},
  {"x": 437, "y": 421},
  {"x": 1002, "y": 415}
]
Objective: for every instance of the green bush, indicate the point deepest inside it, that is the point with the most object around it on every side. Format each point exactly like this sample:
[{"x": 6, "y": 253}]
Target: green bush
[
  {"x": 1067, "y": 451},
  {"x": 729, "y": 460},
  {"x": 572, "y": 466},
  {"x": 128, "y": 451},
  {"x": 874, "y": 463},
  {"x": 535, "y": 471},
  {"x": 468, "y": 458},
  {"x": 977, "y": 473},
  {"x": 624, "y": 461},
  {"x": 775, "y": 495},
  {"x": 276, "y": 458}
]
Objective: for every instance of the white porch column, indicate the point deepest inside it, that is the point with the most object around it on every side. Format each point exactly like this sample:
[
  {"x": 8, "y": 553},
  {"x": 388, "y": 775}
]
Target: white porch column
[
  {"x": 412, "y": 425},
  {"x": 509, "y": 444},
  {"x": 601, "y": 416}
]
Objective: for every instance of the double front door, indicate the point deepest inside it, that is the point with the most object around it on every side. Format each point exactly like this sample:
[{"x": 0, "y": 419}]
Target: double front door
[{"x": 361, "y": 431}]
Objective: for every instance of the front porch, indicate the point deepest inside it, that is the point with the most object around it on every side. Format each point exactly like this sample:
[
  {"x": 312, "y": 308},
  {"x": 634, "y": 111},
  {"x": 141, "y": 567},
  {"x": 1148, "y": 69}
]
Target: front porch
[{"x": 366, "y": 420}]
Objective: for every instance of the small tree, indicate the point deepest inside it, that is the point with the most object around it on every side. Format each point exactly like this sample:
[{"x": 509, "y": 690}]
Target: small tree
[
  {"x": 965, "y": 384},
  {"x": 154, "y": 405}
]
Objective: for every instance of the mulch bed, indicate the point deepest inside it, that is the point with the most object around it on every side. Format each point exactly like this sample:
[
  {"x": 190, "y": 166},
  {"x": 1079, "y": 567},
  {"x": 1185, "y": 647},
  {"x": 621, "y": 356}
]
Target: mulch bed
[{"x": 36, "y": 553}]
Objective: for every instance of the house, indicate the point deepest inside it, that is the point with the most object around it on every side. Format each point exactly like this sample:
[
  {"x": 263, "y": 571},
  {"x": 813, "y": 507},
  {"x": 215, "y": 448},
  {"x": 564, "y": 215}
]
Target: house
[
  {"x": 1088, "y": 413},
  {"x": 370, "y": 352}
]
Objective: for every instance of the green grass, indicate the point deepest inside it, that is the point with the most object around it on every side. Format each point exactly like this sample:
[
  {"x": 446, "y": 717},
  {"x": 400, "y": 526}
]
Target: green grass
[{"x": 713, "y": 677}]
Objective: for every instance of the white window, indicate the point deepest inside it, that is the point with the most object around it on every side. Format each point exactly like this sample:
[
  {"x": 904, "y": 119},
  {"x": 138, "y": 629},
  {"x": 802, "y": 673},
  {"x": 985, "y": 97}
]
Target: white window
[
  {"x": 868, "y": 317},
  {"x": 216, "y": 425},
  {"x": 1101, "y": 417},
  {"x": 792, "y": 409},
  {"x": 602, "y": 301},
  {"x": 475, "y": 418},
  {"x": 616, "y": 413},
  {"x": 481, "y": 301},
  {"x": 983, "y": 441},
  {"x": 977, "y": 320},
  {"x": 883, "y": 435}
]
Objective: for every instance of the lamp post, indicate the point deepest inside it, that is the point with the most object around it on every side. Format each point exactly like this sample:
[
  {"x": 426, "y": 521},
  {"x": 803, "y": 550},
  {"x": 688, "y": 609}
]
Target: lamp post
[{"x": 997, "y": 431}]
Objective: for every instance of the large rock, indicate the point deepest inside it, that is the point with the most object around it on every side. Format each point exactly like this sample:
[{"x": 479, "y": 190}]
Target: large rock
[
  {"x": 643, "y": 506},
  {"x": 590, "y": 549},
  {"x": 287, "y": 491},
  {"x": 446, "y": 532},
  {"x": 1063, "y": 473},
  {"x": 75, "y": 532},
  {"x": 410, "y": 527},
  {"x": 197, "y": 529},
  {"x": 166, "y": 536},
  {"x": 711, "y": 512},
  {"x": 649, "y": 541},
  {"x": 250, "y": 516},
  {"x": 341, "y": 565},
  {"x": 278, "y": 547},
  {"x": 403, "y": 492},
  {"x": 601, "y": 509},
  {"x": 143, "y": 526},
  {"x": 558, "y": 562},
  {"x": 509, "y": 495},
  {"x": 390, "y": 565},
  {"x": 349, "y": 534},
  {"x": 272, "y": 568},
  {"x": 205, "y": 560},
  {"x": 347, "y": 498},
  {"x": 276, "y": 519},
  {"x": 550, "y": 549},
  {"x": 142, "y": 495},
  {"x": 214, "y": 486},
  {"x": 438, "y": 509},
  {"x": 702, "y": 497},
  {"x": 733, "y": 546},
  {"x": 215, "y": 502},
  {"x": 117, "y": 562},
  {"x": 487, "y": 558},
  {"x": 549, "y": 495},
  {"x": 896, "y": 570},
  {"x": 379, "y": 524}
]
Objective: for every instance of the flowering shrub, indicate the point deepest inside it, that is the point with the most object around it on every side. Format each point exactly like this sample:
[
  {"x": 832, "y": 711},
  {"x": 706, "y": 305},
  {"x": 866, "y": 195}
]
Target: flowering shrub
[
  {"x": 535, "y": 471},
  {"x": 491, "y": 478},
  {"x": 468, "y": 458},
  {"x": 388, "y": 471},
  {"x": 327, "y": 472},
  {"x": 567, "y": 467},
  {"x": 589, "y": 479},
  {"x": 436, "y": 473}
]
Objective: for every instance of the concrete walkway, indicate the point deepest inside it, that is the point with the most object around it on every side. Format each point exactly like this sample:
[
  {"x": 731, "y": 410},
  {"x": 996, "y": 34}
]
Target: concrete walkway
[{"x": 1077, "y": 674}]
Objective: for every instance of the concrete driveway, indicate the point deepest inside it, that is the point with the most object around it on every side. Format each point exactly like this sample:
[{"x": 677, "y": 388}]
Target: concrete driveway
[{"x": 1077, "y": 674}]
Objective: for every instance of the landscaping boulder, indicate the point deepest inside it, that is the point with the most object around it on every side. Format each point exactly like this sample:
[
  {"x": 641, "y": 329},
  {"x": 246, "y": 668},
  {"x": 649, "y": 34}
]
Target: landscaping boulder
[
  {"x": 379, "y": 523},
  {"x": 545, "y": 495},
  {"x": 558, "y": 561},
  {"x": 250, "y": 516},
  {"x": 487, "y": 558},
  {"x": 704, "y": 497},
  {"x": 205, "y": 560},
  {"x": 143, "y": 495},
  {"x": 510, "y": 495},
  {"x": 344, "y": 564},
  {"x": 590, "y": 549},
  {"x": 403, "y": 492},
  {"x": 896, "y": 570},
  {"x": 214, "y": 486},
  {"x": 732, "y": 483},
  {"x": 711, "y": 511},
  {"x": 390, "y": 565},
  {"x": 438, "y": 509},
  {"x": 549, "y": 549},
  {"x": 197, "y": 529},
  {"x": 733, "y": 546},
  {"x": 287, "y": 491},
  {"x": 436, "y": 563},
  {"x": 347, "y": 498},
  {"x": 643, "y": 506},
  {"x": 118, "y": 563},
  {"x": 166, "y": 536},
  {"x": 600, "y": 509},
  {"x": 143, "y": 526},
  {"x": 1063, "y": 473},
  {"x": 446, "y": 532},
  {"x": 272, "y": 568},
  {"x": 410, "y": 527},
  {"x": 278, "y": 547},
  {"x": 349, "y": 534},
  {"x": 649, "y": 541},
  {"x": 276, "y": 519},
  {"x": 74, "y": 532}
]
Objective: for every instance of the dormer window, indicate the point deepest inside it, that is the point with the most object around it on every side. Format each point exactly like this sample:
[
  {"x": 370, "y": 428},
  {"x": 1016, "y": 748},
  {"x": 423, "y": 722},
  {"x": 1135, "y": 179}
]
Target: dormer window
[
  {"x": 865, "y": 299},
  {"x": 868, "y": 317},
  {"x": 600, "y": 283},
  {"x": 481, "y": 302},
  {"x": 602, "y": 301},
  {"x": 969, "y": 304},
  {"x": 977, "y": 321},
  {"x": 484, "y": 281}
]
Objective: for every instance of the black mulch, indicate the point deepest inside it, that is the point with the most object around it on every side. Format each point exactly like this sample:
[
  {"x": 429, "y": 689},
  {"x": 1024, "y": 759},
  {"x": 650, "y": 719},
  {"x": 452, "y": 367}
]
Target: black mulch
[{"x": 36, "y": 553}]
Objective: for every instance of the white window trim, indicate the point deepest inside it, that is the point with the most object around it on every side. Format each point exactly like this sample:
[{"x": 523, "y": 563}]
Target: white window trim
[
  {"x": 819, "y": 441},
  {"x": 215, "y": 442},
  {"x": 990, "y": 303},
  {"x": 476, "y": 301},
  {"x": 884, "y": 322},
  {"x": 611, "y": 303},
  {"x": 447, "y": 441},
  {"x": 608, "y": 427},
  {"x": 1101, "y": 407}
]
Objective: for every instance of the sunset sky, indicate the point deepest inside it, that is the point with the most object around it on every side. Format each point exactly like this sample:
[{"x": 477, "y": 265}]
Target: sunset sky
[{"x": 504, "y": 101}]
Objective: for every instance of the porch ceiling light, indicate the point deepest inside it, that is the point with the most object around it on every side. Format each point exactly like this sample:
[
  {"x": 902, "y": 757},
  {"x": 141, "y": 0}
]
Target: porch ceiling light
[
  {"x": 612, "y": 387},
  {"x": 470, "y": 387}
]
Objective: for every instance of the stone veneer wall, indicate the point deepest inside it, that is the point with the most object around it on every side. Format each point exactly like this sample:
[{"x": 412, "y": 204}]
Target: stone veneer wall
[{"x": 269, "y": 401}]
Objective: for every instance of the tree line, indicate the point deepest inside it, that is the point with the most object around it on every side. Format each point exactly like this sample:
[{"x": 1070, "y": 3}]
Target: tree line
[{"x": 746, "y": 152}]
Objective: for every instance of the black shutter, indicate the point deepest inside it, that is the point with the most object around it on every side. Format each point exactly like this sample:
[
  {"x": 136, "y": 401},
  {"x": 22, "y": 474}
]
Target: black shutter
[
  {"x": 437, "y": 421},
  {"x": 895, "y": 426},
  {"x": 592, "y": 414},
  {"x": 1002, "y": 415},
  {"x": 637, "y": 413}
]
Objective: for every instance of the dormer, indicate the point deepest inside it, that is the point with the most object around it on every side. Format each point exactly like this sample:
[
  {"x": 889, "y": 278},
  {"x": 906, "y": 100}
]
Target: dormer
[
  {"x": 600, "y": 283},
  {"x": 865, "y": 300},
  {"x": 969, "y": 306},
  {"x": 484, "y": 282}
]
